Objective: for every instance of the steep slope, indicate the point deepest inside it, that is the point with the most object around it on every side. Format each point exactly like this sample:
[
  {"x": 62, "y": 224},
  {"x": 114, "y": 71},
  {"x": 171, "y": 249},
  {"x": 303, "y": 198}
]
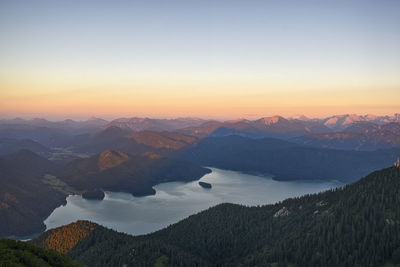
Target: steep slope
[
  {"x": 25, "y": 199},
  {"x": 64, "y": 238},
  {"x": 118, "y": 171},
  {"x": 357, "y": 225},
  {"x": 23, "y": 254},
  {"x": 287, "y": 161}
]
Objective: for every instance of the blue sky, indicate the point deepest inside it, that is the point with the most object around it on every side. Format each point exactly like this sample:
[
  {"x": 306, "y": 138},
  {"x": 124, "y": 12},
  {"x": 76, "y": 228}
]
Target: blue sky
[{"x": 49, "y": 42}]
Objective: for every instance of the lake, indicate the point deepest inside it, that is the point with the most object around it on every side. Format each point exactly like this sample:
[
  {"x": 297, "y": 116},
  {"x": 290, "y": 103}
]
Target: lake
[{"x": 175, "y": 201}]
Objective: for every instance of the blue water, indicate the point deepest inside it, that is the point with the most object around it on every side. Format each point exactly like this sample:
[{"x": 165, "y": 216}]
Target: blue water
[{"x": 175, "y": 201}]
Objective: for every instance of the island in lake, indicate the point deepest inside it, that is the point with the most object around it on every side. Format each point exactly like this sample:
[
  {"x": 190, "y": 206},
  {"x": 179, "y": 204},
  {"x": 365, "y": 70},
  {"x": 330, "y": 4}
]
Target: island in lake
[{"x": 205, "y": 185}]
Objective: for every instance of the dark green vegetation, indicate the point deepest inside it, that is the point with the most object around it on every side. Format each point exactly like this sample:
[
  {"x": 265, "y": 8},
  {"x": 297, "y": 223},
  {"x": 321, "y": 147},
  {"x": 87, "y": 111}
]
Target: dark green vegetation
[
  {"x": 21, "y": 254},
  {"x": 358, "y": 225},
  {"x": 286, "y": 160}
]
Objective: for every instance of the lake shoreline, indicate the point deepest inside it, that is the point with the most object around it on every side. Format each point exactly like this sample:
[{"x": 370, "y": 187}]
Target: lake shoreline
[{"x": 174, "y": 201}]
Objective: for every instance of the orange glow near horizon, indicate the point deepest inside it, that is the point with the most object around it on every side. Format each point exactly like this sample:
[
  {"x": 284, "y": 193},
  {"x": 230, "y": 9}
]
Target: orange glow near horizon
[
  {"x": 225, "y": 98},
  {"x": 210, "y": 59}
]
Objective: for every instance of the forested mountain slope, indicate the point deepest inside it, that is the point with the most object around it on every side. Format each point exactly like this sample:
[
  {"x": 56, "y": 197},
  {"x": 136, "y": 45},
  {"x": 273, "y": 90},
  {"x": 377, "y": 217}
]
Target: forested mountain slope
[
  {"x": 22, "y": 254},
  {"x": 25, "y": 198},
  {"x": 358, "y": 225},
  {"x": 286, "y": 160}
]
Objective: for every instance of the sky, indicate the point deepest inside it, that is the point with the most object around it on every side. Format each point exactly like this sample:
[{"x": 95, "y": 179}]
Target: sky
[{"x": 212, "y": 59}]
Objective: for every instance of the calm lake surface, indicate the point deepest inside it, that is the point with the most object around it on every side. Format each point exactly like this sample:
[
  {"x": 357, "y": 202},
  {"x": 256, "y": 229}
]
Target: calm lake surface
[{"x": 175, "y": 201}]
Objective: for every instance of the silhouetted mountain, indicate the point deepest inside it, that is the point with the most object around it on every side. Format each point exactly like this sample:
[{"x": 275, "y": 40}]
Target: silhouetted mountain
[
  {"x": 67, "y": 124},
  {"x": 115, "y": 138},
  {"x": 118, "y": 171},
  {"x": 265, "y": 127},
  {"x": 49, "y": 137},
  {"x": 142, "y": 124},
  {"x": 357, "y": 225},
  {"x": 357, "y": 136},
  {"x": 48, "y": 133},
  {"x": 10, "y": 145},
  {"x": 163, "y": 140},
  {"x": 285, "y": 160},
  {"x": 25, "y": 197}
]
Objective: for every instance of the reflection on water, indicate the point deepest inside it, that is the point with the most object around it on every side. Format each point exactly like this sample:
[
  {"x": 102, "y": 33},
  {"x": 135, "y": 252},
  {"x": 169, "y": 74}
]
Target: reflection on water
[{"x": 175, "y": 201}]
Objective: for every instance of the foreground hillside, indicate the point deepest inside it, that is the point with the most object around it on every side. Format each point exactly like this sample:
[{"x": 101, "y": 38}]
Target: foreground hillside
[
  {"x": 20, "y": 254},
  {"x": 358, "y": 225}
]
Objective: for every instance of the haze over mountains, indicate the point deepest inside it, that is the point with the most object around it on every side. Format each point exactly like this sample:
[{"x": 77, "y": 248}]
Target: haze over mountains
[{"x": 42, "y": 161}]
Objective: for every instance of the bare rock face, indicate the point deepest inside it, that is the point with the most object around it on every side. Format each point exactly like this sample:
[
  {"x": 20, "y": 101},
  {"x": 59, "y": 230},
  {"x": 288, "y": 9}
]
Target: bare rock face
[{"x": 282, "y": 212}]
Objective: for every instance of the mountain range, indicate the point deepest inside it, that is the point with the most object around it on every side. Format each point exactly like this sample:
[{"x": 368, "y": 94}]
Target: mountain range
[
  {"x": 357, "y": 136},
  {"x": 41, "y": 162}
]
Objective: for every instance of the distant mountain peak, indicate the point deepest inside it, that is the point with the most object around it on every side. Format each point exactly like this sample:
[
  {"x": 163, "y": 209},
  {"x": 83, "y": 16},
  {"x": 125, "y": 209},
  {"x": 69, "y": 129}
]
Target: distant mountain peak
[
  {"x": 93, "y": 118},
  {"x": 272, "y": 120}
]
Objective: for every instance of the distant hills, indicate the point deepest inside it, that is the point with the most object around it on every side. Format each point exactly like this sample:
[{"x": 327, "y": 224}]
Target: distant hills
[
  {"x": 11, "y": 145},
  {"x": 287, "y": 160},
  {"x": 70, "y": 133},
  {"x": 116, "y": 138},
  {"x": 357, "y": 136},
  {"x": 159, "y": 125},
  {"x": 340, "y": 122},
  {"x": 357, "y": 225},
  {"x": 264, "y": 127}
]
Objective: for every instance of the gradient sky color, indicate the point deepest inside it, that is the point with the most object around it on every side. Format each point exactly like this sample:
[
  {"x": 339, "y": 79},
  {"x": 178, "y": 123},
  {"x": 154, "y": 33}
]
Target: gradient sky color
[{"x": 222, "y": 59}]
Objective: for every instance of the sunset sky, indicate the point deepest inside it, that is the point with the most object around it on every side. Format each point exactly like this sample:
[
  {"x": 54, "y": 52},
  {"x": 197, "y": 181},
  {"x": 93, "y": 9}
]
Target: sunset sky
[{"x": 214, "y": 59}]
